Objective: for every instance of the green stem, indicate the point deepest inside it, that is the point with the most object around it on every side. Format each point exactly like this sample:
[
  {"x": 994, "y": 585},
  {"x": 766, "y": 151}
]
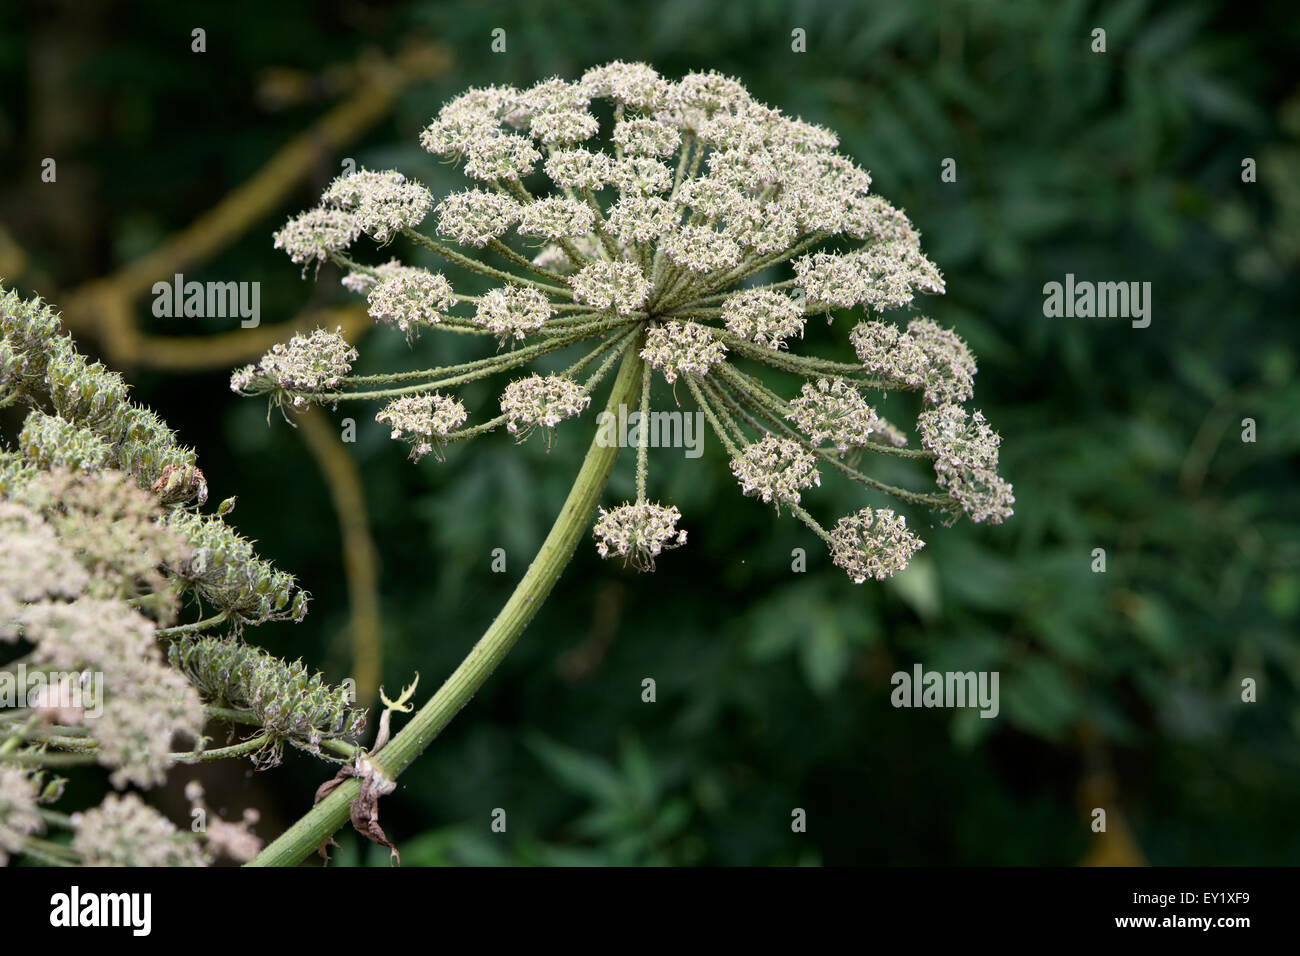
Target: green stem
[
  {"x": 301, "y": 839},
  {"x": 251, "y": 745},
  {"x": 473, "y": 265},
  {"x": 643, "y": 440},
  {"x": 203, "y": 625}
]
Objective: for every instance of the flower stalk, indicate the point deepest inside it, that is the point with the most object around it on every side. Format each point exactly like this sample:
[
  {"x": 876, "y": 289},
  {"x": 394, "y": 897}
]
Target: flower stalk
[{"x": 315, "y": 827}]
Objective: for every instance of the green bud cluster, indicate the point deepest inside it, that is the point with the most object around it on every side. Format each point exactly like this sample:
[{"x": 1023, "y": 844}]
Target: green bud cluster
[
  {"x": 26, "y": 330},
  {"x": 49, "y": 442},
  {"x": 283, "y": 697},
  {"x": 81, "y": 434},
  {"x": 42, "y": 367},
  {"x": 227, "y": 572},
  {"x": 82, "y": 418}
]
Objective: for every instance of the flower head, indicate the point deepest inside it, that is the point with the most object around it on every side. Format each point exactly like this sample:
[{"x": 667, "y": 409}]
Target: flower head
[
  {"x": 630, "y": 214},
  {"x": 125, "y": 831},
  {"x": 682, "y": 348},
  {"x": 409, "y": 298},
  {"x": 423, "y": 420},
  {"x": 776, "y": 470},
  {"x": 618, "y": 287},
  {"x": 474, "y": 217},
  {"x": 541, "y": 400},
  {"x": 19, "y": 817},
  {"x": 513, "y": 312},
  {"x": 382, "y": 204},
  {"x": 873, "y": 544},
  {"x": 637, "y": 533},
  {"x": 834, "y": 411},
  {"x": 763, "y": 317},
  {"x": 578, "y": 168},
  {"x": 556, "y": 218},
  {"x": 317, "y": 234},
  {"x": 308, "y": 364},
  {"x": 966, "y": 461}
]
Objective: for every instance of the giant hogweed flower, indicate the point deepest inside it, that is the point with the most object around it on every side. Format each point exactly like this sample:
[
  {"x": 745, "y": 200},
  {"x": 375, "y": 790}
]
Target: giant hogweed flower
[{"x": 663, "y": 232}]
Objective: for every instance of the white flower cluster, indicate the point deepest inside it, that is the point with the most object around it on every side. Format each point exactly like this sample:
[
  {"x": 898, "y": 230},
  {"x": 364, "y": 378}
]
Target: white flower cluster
[
  {"x": 474, "y": 217},
  {"x": 513, "y": 312},
  {"x": 317, "y": 362},
  {"x": 579, "y": 168},
  {"x": 834, "y": 411},
  {"x": 967, "y": 461},
  {"x": 776, "y": 470},
  {"x": 873, "y": 545},
  {"x": 638, "y": 218},
  {"x": 422, "y": 420},
  {"x": 682, "y": 348},
  {"x": 647, "y": 137},
  {"x": 316, "y": 234},
  {"x": 638, "y": 533},
  {"x": 126, "y": 831},
  {"x": 654, "y": 233},
  {"x": 881, "y": 278},
  {"x": 383, "y": 204},
  {"x": 611, "y": 286},
  {"x": 90, "y": 544},
  {"x": 926, "y": 357},
  {"x": 541, "y": 400},
  {"x": 19, "y": 817},
  {"x": 701, "y": 249},
  {"x": 410, "y": 298},
  {"x": 556, "y": 218},
  {"x": 763, "y": 317}
]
